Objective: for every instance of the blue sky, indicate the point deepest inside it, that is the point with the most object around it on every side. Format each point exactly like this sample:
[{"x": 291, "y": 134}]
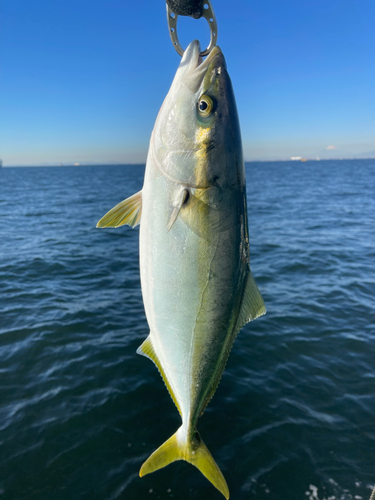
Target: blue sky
[{"x": 82, "y": 81}]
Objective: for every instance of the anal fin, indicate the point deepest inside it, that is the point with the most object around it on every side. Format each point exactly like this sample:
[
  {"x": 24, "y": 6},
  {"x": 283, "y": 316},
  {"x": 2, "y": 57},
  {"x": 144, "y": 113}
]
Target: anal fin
[
  {"x": 127, "y": 212},
  {"x": 147, "y": 349}
]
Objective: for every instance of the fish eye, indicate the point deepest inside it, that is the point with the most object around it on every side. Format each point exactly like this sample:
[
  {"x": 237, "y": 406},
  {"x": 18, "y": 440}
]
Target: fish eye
[{"x": 205, "y": 105}]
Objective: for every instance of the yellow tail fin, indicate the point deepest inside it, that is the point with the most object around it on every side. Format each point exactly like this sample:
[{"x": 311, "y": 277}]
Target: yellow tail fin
[{"x": 193, "y": 451}]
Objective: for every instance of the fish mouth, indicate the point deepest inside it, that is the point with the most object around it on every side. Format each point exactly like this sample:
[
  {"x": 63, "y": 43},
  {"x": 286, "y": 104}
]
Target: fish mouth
[
  {"x": 204, "y": 63},
  {"x": 195, "y": 67}
]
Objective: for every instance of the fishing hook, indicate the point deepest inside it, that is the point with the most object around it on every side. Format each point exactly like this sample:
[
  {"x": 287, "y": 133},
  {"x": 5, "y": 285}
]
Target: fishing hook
[{"x": 208, "y": 13}]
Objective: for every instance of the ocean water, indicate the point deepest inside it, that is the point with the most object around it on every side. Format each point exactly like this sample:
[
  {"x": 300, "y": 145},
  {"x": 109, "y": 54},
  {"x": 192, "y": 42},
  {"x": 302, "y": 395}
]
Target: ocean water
[{"x": 294, "y": 415}]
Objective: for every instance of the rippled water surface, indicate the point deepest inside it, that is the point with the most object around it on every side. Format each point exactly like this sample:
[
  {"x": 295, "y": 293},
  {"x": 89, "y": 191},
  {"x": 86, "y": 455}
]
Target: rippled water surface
[{"x": 294, "y": 415}]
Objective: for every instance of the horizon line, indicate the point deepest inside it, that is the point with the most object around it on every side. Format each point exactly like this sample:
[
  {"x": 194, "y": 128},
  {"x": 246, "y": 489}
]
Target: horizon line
[{"x": 88, "y": 163}]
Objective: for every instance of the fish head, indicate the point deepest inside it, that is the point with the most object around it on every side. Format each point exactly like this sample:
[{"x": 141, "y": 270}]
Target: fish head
[{"x": 196, "y": 139}]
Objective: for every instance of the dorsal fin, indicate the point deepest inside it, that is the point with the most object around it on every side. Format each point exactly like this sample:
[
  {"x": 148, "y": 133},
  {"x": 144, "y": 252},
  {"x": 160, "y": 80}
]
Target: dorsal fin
[
  {"x": 252, "y": 303},
  {"x": 251, "y": 308},
  {"x": 127, "y": 212},
  {"x": 147, "y": 349}
]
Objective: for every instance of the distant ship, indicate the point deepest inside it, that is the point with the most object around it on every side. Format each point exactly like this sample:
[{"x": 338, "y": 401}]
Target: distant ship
[
  {"x": 1, "y": 163},
  {"x": 297, "y": 158}
]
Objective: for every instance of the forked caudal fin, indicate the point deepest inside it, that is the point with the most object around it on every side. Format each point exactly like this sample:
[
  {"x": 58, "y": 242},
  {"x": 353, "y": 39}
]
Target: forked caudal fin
[{"x": 193, "y": 451}]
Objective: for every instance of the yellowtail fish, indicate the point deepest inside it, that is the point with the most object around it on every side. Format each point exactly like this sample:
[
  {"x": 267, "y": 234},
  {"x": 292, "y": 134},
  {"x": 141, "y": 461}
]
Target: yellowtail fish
[{"x": 197, "y": 287}]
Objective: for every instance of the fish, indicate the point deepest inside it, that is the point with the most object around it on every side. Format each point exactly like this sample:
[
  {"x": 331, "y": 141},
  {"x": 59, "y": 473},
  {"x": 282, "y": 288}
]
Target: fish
[{"x": 197, "y": 286}]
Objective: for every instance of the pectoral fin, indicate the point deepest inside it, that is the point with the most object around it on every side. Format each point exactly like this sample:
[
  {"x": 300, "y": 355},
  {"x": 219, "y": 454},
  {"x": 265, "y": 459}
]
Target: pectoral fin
[
  {"x": 183, "y": 196},
  {"x": 127, "y": 212}
]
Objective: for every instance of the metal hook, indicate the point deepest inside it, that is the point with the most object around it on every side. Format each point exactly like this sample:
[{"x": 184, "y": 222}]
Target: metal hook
[{"x": 208, "y": 13}]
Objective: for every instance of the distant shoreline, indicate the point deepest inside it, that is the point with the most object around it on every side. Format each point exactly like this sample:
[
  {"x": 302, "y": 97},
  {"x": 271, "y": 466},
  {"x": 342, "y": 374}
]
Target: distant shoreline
[{"x": 84, "y": 164}]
